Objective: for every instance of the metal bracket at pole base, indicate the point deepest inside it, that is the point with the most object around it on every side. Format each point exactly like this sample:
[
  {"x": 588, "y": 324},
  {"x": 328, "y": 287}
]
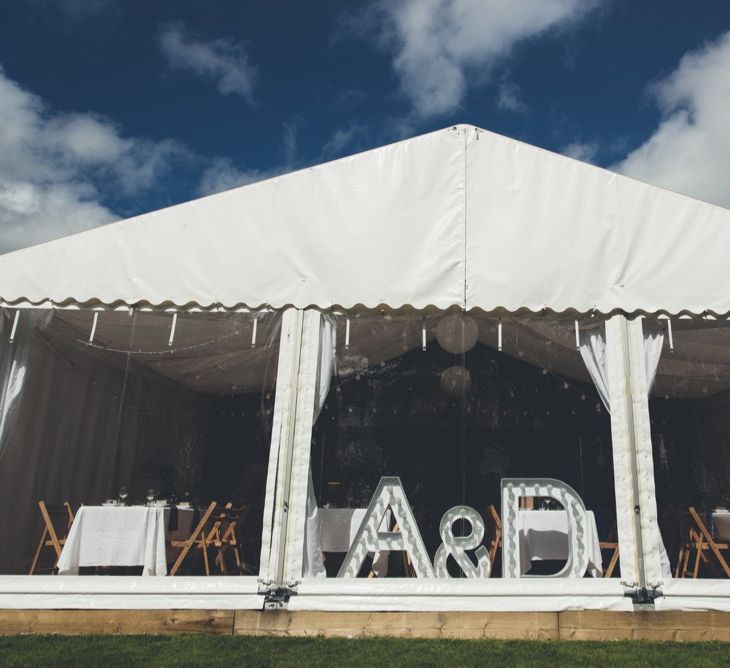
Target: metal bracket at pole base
[
  {"x": 643, "y": 597},
  {"x": 276, "y": 597}
]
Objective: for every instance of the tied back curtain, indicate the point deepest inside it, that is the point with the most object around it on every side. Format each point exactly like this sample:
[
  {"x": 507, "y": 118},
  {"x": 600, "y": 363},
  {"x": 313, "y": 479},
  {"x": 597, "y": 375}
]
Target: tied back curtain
[
  {"x": 593, "y": 352},
  {"x": 313, "y": 564}
]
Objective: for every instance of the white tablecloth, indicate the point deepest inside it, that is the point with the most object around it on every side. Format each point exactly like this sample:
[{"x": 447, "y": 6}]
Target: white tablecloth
[
  {"x": 721, "y": 520},
  {"x": 544, "y": 535},
  {"x": 338, "y": 527},
  {"x": 121, "y": 536}
]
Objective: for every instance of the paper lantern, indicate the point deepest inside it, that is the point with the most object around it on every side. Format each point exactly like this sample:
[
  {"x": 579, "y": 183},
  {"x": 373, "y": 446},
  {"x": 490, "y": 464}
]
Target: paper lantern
[
  {"x": 456, "y": 381},
  {"x": 456, "y": 333}
]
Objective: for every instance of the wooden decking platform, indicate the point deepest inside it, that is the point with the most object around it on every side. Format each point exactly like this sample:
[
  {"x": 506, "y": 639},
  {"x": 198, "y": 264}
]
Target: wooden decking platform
[{"x": 589, "y": 625}]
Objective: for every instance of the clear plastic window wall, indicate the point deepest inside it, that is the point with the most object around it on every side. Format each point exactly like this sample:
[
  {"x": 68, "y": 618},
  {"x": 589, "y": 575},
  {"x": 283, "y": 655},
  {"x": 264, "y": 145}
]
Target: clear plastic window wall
[{"x": 365, "y": 451}]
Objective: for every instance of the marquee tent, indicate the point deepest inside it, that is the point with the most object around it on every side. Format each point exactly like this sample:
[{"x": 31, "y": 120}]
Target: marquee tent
[{"x": 282, "y": 313}]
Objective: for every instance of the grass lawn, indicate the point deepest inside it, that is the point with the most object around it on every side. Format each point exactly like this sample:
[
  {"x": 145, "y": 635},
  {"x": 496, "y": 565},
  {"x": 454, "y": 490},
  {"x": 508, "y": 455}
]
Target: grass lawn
[{"x": 199, "y": 650}]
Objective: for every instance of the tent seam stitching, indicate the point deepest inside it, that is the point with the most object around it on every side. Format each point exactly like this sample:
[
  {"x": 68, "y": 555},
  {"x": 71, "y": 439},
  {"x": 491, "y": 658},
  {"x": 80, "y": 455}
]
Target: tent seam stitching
[{"x": 466, "y": 143}]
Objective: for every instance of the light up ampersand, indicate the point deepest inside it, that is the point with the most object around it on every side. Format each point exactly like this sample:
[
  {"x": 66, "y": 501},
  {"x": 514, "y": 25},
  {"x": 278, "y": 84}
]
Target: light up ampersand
[{"x": 456, "y": 546}]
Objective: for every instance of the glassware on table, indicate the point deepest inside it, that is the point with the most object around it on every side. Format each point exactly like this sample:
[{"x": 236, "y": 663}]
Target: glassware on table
[
  {"x": 150, "y": 496},
  {"x": 123, "y": 494}
]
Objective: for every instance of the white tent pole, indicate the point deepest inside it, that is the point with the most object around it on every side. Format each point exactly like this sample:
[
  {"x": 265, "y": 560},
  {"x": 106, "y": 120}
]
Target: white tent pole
[
  {"x": 347, "y": 334},
  {"x": 282, "y": 434},
  {"x": 669, "y": 334},
  {"x": 172, "y": 328},
  {"x": 423, "y": 333},
  {"x": 622, "y": 436},
  {"x": 499, "y": 334},
  {"x": 577, "y": 336},
  {"x": 255, "y": 329},
  {"x": 15, "y": 325},
  {"x": 636, "y": 510},
  {"x": 93, "y": 327},
  {"x": 650, "y": 542},
  {"x": 301, "y": 446}
]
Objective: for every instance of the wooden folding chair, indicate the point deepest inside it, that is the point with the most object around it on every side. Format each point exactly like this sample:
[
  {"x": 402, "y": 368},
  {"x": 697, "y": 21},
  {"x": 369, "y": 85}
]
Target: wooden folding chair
[
  {"x": 224, "y": 538},
  {"x": 198, "y": 538},
  {"x": 54, "y": 517},
  {"x": 702, "y": 544},
  {"x": 690, "y": 544},
  {"x": 695, "y": 544},
  {"x": 496, "y": 541},
  {"x": 611, "y": 543}
]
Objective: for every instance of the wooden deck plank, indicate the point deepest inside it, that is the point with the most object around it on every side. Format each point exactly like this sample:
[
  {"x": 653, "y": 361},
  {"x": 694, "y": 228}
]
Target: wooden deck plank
[
  {"x": 585, "y": 625},
  {"x": 84, "y": 622},
  {"x": 524, "y": 625},
  {"x": 645, "y": 625}
]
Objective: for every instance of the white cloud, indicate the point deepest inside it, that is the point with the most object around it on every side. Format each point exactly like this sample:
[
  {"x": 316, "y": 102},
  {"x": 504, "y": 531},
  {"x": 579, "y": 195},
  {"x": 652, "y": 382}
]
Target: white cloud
[
  {"x": 31, "y": 214},
  {"x": 290, "y": 129},
  {"x": 342, "y": 139},
  {"x": 55, "y": 168},
  {"x": 221, "y": 60},
  {"x": 438, "y": 45},
  {"x": 689, "y": 151},
  {"x": 222, "y": 175},
  {"x": 509, "y": 98},
  {"x": 581, "y": 151}
]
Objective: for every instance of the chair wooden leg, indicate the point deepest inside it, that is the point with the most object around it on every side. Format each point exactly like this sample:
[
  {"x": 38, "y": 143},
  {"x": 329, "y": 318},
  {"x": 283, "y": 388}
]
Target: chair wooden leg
[
  {"x": 204, "y": 548},
  {"x": 494, "y": 547},
  {"x": 38, "y": 552},
  {"x": 612, "y": 564},
  {"x": 180, "y": 557},
  {"x": 685, "y": 563},
  {"x": 679, "y": 561},
  {"x": 239, "y": 563},
  {"x": 221, "y": 559},
  {"x": 720, "y": 559},
  {"x": 696, "y": 569}
]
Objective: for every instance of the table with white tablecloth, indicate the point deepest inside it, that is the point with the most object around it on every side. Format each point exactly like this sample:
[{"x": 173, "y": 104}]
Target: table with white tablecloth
[
  {"x": 721, "y": 525},
  {"x": 122, "y": 536},
  {"x": 544, "y": 536},
  {"x": 338, "y": 528}
]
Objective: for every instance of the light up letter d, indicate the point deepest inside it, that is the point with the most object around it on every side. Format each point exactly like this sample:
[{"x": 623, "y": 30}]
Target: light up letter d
[{"x": 512, "y": 490}]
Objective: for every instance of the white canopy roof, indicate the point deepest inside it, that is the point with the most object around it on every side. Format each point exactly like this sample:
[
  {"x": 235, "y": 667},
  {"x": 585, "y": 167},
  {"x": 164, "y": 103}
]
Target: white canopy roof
[{"x": 460, "y": 217}]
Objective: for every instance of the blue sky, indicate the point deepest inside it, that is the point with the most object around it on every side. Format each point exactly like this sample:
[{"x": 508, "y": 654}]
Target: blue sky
[{"x": 111, "y": 108}]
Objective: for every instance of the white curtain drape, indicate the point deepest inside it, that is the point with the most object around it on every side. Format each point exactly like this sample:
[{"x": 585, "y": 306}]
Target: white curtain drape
[
  {"x": 76, "y": 429},
  {"x": 14, "y": 366},
  {"x": 313, "y": 564},
  {"x": 593, "y": 352}
]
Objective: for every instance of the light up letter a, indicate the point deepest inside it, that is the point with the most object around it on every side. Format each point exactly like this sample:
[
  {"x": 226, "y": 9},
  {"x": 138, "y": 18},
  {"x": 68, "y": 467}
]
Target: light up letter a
[
  {"x": 389, "y": 494},
  {"x": 512, "y": 490}
]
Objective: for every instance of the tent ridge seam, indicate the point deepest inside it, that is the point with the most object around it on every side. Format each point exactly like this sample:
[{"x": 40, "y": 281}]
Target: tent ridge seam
[{"x": 466, "y": 220}]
